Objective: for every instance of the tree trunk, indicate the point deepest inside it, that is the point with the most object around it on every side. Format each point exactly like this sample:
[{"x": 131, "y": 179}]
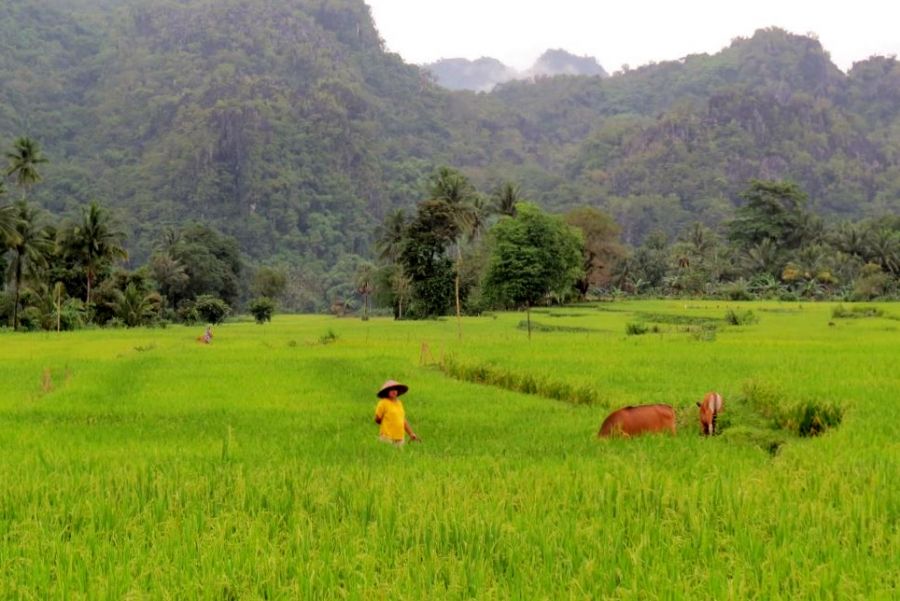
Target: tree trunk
[
  {"x": 458, "y": 312},
  {"x": 528, "y": 314},
  {"x": 18, "y": 287}
]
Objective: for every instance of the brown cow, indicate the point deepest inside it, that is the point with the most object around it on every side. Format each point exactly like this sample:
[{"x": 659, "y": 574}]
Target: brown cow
[
  {"x": 631, "y": 421},
  {"x": 710, "y": 407}
]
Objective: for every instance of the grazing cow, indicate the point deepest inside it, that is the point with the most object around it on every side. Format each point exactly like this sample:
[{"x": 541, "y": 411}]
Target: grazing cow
[
  {"x": 710, "y": 407},
  {"x": 631, "y": 421}
]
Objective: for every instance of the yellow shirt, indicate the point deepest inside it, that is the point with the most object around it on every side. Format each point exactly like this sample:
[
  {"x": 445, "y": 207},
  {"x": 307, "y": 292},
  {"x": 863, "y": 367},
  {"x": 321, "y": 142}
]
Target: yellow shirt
[{"x": 392, "y": 418}]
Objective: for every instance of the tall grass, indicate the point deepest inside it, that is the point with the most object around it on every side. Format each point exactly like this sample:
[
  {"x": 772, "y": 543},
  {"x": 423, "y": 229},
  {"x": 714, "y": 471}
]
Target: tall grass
[{"x": 250, "y": 468}]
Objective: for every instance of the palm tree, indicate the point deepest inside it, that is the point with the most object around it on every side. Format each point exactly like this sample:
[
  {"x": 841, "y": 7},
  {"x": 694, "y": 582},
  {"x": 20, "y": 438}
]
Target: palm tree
[
  {"x": 134, "y": 306},
  {"x": 454, "y": 190},
  {"x": 30, "y": 250},
  {"x": 390, "y": 235},
  {"x": 170, "y": 275},
  {"x": 365, "y": 284},
  {"x": 95, "y": 242},
  {"x": 505, "y": 199},
  {"x": 401, "y": 284},
  {"x": 7, "y": 222},
  {"x": 884, "y": 249},
  {"x": 23, "y": 162}
]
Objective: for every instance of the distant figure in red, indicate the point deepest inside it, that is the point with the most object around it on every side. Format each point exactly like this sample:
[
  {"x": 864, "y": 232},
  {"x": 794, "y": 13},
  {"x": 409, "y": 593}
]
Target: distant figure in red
[
  {"x": 207, "y": 336},
  {"x": 710, "y": 408},
  {"x": 632, "y": 421}
]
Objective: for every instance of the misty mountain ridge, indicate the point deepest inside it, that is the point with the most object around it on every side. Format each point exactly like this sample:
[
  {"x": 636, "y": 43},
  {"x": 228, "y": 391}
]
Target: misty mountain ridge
[{"x": 484, "y": 74}]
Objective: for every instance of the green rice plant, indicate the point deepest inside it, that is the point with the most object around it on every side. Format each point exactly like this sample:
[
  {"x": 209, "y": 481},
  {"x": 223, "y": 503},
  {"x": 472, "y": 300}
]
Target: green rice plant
[
  {"x": 542, "y": 327},
  {"x": 675, "y": 319},
  {"x": 121, "y": 480},
  {"x": 811, "y": 419},
  {"x": 703, "y": 333},
  {"x": 841, "y": 312}
]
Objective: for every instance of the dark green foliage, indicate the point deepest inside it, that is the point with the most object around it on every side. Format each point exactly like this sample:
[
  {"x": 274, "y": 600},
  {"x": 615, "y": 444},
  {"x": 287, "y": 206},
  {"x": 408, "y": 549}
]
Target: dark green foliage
[
  {"x": 533, "y": 254},
  {"x": 542, "y": 327},
  {"x": 740, "y": 318},
  {"x": 812, "y": 419},
  {"x": 633, "y": 328},
  {"x": 136, "y": 307},
  {"x": 211, "y": 309},
  {"x": 775, "y": 212},
  {"x": 211, "y": 261},
  {"x": 262, "y": 309},
  {"x": 676, "y": 319},
  {"x": 269, "y": 282},
  {"x": 328, "y": 337}
]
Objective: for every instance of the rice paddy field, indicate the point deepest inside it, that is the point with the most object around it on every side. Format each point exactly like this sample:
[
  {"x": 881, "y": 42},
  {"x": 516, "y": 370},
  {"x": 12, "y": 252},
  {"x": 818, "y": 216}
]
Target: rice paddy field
[{"x": 140, "y": 464}]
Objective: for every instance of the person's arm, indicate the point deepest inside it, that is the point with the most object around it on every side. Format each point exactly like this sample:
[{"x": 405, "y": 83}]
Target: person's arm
[
  {"x": 409, "y": 430},
  {"x": 379, "y": 413}
]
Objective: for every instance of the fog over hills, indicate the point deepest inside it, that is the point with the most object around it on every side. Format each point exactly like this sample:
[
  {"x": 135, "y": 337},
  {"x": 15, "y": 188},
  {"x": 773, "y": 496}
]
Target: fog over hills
[{"x": 483, "y": 74}]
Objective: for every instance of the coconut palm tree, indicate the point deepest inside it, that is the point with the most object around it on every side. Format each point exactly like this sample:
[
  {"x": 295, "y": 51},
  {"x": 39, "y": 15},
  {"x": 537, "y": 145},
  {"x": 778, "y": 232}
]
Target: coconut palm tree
[
  {"x": 94, "y": 242},
  {"x": 456, "y": 193},
  {"x": 23, "y": 162},
  {"x": 390, "y": 236},
  {"x": 30, "y": 250},
  {"x": 505, "y": 199},
  {"x": 7, "y": 222}
]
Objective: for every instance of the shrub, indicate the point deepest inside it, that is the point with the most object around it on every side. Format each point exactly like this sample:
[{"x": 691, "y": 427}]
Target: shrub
[
  {"x": 736, "y": 318},
  {"x": 328, "y": 337},
  {"x": 262, "y": 309},
  {"x": 211, "y": 309},
  {"x": 633, "y": 328}
]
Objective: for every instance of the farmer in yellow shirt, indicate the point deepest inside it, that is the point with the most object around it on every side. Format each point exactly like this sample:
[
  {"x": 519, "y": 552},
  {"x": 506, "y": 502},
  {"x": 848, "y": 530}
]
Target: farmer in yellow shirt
[{"x": 389, "y": 414}]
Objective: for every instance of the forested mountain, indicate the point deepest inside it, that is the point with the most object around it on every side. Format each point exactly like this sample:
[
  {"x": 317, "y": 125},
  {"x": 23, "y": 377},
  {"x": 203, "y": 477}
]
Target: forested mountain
[{"x": 286, "y": 124}]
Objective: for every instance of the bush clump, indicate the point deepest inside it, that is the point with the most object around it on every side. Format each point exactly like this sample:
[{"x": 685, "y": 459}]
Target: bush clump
[
  {"x": 633, "y": 328},
  {"x": 738, "y": 318},
  {"x": 811, "y": 419},
  {"x": 262, "y": 309},
  {"x": 211, "y": 309}
]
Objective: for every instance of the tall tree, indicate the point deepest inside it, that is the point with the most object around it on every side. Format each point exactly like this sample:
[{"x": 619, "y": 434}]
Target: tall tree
[
  {"x": 602, "y": 248},
  {"x": 29, "y": 251},
  {"x": 94, "y": 242},
  {"x": 453, "y": 189},
  {"x": 23, "y": 162},
  {"x": 390, "y": 236},
  {"x": 774, "y": 210},
  {"x": 365, "y": 284},
  {"x": 7, "y": 223},
  {"x": 533, "y": 254}
]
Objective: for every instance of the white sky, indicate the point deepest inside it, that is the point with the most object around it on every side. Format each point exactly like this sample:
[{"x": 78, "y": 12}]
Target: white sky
[{"x": 633, "y": 32}]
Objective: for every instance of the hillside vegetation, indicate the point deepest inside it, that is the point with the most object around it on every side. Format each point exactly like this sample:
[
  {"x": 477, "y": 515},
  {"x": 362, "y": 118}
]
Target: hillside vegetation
[{"x": 288, "y": 125}]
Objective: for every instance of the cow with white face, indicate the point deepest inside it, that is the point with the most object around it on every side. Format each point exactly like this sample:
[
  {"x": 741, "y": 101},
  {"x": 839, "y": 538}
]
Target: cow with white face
[{"x": 710, "y": 407}]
